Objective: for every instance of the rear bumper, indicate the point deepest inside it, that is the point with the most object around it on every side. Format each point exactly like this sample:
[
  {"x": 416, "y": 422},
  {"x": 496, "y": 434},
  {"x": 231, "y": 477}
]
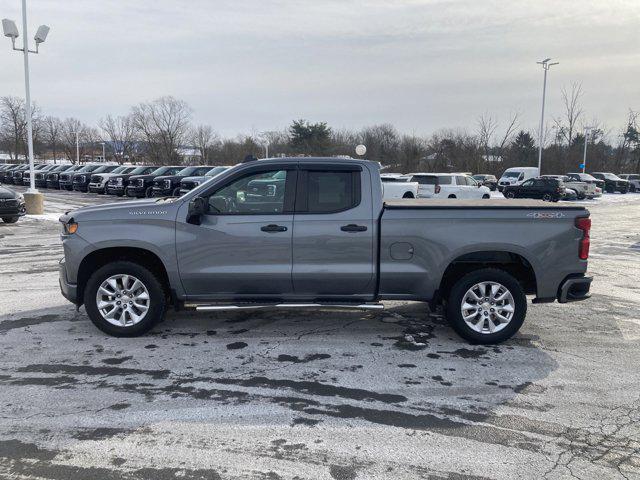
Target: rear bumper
[
  {"x": 69, "y": 290},
  {"x": 574, "y": 288}
]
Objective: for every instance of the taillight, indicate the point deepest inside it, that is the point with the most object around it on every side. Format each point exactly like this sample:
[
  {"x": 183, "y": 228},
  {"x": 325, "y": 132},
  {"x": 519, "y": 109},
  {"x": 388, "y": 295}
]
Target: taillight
[
  {"x": 437, "y": 189},
  {"x": 584, "y": 224}
]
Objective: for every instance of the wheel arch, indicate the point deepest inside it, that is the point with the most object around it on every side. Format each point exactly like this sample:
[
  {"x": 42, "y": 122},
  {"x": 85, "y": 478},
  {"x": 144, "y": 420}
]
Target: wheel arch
[
  {"x": 514, "y": 263},
  {"x": 103, "y": 256}
]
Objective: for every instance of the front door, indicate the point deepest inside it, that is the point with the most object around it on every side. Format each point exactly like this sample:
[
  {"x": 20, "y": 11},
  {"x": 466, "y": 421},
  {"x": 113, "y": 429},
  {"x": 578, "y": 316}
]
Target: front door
[
  {"x": 242, "y": 248},
  {"x": 333, "y": 233}
]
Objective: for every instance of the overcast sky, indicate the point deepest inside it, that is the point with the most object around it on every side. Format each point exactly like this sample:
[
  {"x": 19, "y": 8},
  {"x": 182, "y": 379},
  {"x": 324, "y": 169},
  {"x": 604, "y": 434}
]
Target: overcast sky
[{"x": 253, "y": 65}]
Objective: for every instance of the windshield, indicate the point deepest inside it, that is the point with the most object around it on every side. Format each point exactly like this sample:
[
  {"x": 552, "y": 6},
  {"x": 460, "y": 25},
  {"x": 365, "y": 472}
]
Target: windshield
[
  {"x": 611, "y": 176},
  {"x": 193, "y": 171},
  {"x": 120, "y": 169},
  {"x": 216, "y": 171},
  {"x": 141, "y": 170},
  {"x": 165, "y": 171},
  {"x": 88, "y": 168},
  {"x": 511, "y": 174}
]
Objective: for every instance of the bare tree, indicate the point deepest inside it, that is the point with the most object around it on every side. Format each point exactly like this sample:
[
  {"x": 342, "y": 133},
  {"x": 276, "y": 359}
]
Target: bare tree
[
  {"x": 164, "y": 124},
  {"x": 121, "y": 133},
  {"x": 52, "y": 134},
  {"x": 203, "y": 139},
  {"x": 13, "y": 125},
  {"x": 572, "y": 113}
]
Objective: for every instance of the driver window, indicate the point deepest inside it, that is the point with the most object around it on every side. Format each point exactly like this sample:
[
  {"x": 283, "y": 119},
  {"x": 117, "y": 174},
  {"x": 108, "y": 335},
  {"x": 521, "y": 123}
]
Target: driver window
[
  {"x": 256, "y": 193},
  {"x": 528, "y": 183}
]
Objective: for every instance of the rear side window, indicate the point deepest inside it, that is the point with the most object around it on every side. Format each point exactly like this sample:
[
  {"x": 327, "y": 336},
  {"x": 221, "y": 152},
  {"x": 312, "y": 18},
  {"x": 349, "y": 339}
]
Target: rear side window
[
  {"x": 445, "y": 180},
  {"x": 425, "y": 180},
  {"x": 331, "y": 191}
]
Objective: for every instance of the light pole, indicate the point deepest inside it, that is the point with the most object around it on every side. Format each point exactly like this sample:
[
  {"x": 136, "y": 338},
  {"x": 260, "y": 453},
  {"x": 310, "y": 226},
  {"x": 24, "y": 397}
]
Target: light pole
[
  {"x": 546, "y": 66},
  {"x": 266, "y": 149},
  {"x": 587, "y": 131},
  {"x": 77, "y": 149},
  {"x": 33, "y": 199},
  {"x": 104, "y": 157}
]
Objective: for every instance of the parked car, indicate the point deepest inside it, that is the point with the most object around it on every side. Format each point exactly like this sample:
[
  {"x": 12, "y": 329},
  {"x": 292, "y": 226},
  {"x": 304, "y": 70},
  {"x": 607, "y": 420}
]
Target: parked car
[
  {"x": 26, "y": 175},
  {"x": 141, "y": 186},
  {"x": 232, "y": 244},
  {"x": 6, "y": 172},
  {"x": 489, "y": 181},
  {"x": 81, "y": 180},
  {"x": 189, "y": 183},
  {"x": 65, "y": 179},
  {"x": 585, "y": 177},
  {"x": 547, "y": 189},
  {"x": 633, "y": 179},
  {"x": 53, "y": 177},
  {"x": 612, "y": 183},
  {"x": 41, "y": 175},
  {"x": 169, "y": 185},
  {"x": 582, "y": 189},
  {"x": 11, "y": 205},
  {"x": 448, "y": 185},
  {"x": 98, "y": 180},
  {"x": 516, "y": 176},
  {"x": 396, "y": 185},
  {"x": 16, "y": 176},
  {"x": 117, "y": 183}
]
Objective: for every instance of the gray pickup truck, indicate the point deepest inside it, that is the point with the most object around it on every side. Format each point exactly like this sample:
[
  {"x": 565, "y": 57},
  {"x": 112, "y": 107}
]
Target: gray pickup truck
[{"x": 314, "y": 232}]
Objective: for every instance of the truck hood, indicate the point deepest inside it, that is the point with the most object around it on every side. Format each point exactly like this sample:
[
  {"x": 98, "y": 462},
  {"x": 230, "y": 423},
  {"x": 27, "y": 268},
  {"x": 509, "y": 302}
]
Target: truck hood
[{"x": 146, "y": 208}]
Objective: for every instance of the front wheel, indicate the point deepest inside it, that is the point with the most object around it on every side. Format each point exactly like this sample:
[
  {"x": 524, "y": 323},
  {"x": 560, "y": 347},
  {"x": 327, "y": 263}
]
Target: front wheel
[
  {"x": 547, "y": 197},
  {"x": 486, "y": 196},
  {"x": 148, "y": 192},
  {"x": 176, "y": 192},
  {"x": 510, "y": 194},
  {"x": 10, "y": 219},
  {"x": 486, "y": 306},
  {"x": 124, "y": 299}
]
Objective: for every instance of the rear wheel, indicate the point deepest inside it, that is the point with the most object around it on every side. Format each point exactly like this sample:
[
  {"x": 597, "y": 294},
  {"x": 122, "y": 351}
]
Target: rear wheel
[
  {"x": 486, "y": 196},
  {"x": 408, "y": 195},
  {"x": 510, "y": 194},
  {"x": 547, "y": 197},
  {"x": 451, "y": 196},
  {"x": 124, "y": 299},
  {"x": 486, "y": 306}
]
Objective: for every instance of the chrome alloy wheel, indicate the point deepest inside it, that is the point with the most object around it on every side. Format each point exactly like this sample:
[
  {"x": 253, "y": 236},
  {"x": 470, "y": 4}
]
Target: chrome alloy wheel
[
  {"x": 487, "y": 307},
  {"x": 123, "y": 300}
]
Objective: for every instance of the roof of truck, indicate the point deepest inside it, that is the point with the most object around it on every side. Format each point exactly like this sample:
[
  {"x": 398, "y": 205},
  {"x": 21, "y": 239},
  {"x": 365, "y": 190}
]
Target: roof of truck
[{"x": 491, "y": 204}]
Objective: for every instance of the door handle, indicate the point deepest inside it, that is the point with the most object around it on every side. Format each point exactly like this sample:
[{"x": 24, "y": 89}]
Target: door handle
[
  {"x": 273, "y": 228},
  {"x": 352, "y": 227}
]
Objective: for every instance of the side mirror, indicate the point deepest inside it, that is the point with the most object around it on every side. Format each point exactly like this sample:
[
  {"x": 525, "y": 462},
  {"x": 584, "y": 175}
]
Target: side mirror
[{"x": 197, "y": 208}]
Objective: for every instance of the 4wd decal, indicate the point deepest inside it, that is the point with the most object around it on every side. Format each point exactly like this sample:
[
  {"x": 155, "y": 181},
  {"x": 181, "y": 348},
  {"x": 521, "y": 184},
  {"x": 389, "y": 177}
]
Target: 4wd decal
[{"x": 545, "y": 215}]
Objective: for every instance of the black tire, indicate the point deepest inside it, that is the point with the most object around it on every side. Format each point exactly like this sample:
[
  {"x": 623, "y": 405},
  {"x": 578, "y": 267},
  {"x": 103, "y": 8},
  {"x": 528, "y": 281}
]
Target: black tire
[
  {"x": 451, "y": 196},
  {"x": 547, "y": 197},
  {"x": 510, "y": 194},
  {"x": 408, "y": 195},
  {"x": 157, "y": 298},
  {"x": 148, "y": 193},
  {"x": 459, "y": 290},
  {"x": 486, "y": 196},
  {"x": 176, "y": 192},
  {"x": 623, "y": 191},
  {"x": 611, "y": 190},
  {"x": 632, "y": 189},
  {"x": 10, "y": 219}
]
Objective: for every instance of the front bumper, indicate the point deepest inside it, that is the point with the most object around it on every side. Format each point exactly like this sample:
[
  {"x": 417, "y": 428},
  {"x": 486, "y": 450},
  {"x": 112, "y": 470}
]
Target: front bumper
[
  {"x": 69, "y": 290},
  {"x": 65, "y": 185},
  {"x": 96, "y": 187},
  {"x": 115, "y": 190},
  {"x": 161, "y": 192},
  {"x": 80, "y": 187},
  {"x": 53, "y": 184},
  {"x": 136, "y": 191},
  {"x": 574, "y": 288},
  {"x": 18, "y": 210}
]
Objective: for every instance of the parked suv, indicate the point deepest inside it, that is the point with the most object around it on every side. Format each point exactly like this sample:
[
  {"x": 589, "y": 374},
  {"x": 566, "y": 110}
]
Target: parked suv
[
  {"x": 169, "y": 185},
  {"x": 489, "y": 181},
  {"x": 53, "y": 178},
  {"x": 81, "y": 180},
  {"x": 448, "y": 185},
  {"x": 41, "y": 175},
  {"x": 585, "y": 177},
  {"x": 612, "y": 183},
  {"x": 98, "y": 181},
  {"x": 65, "y": 180},
  {"x": 117, "y": 183},
  {"x": 547, "y": 189},
  {"x": 634, "y": 181},
  {"x": 189, "y": 183},
  {"x": 141, "y": 186}
]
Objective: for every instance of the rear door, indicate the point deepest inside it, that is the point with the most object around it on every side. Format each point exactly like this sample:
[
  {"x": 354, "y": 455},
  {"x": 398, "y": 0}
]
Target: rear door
[
  {"x": 242, "y": 248},
  {"x": 333, "y": 244}
]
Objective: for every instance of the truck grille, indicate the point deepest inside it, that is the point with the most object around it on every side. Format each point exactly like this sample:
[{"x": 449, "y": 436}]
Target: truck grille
[
  {"x": 64, "y": 177},
  {"x": 8, "y": 202},
  {"x": 80, "y": 179},
  {"x": 39, "y": 176},
  {"x": 96, "y": 179}
]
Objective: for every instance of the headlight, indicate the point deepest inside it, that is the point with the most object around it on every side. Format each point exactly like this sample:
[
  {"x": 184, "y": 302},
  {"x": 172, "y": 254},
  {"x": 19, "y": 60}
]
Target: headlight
[
  {"x": 195, "y": 184},
  {"x": 118, "y": 181}
]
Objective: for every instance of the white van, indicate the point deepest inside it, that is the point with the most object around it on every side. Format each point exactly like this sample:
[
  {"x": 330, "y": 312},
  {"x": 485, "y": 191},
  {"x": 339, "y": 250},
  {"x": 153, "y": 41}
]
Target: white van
[{"x": 517, "y": 175}]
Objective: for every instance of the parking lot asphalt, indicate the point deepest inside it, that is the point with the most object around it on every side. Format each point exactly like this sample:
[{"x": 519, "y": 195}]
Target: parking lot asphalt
[{"x": 318, "y": 394}]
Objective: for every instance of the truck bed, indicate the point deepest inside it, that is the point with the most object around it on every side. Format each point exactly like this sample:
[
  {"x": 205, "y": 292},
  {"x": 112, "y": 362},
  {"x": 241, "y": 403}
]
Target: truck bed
[{"x": 454, "y": 203}]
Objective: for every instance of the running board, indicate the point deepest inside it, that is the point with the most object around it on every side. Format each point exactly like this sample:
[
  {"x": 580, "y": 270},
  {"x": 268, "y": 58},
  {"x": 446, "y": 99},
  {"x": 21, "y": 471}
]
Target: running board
[{"x": 258, "y": 306}]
